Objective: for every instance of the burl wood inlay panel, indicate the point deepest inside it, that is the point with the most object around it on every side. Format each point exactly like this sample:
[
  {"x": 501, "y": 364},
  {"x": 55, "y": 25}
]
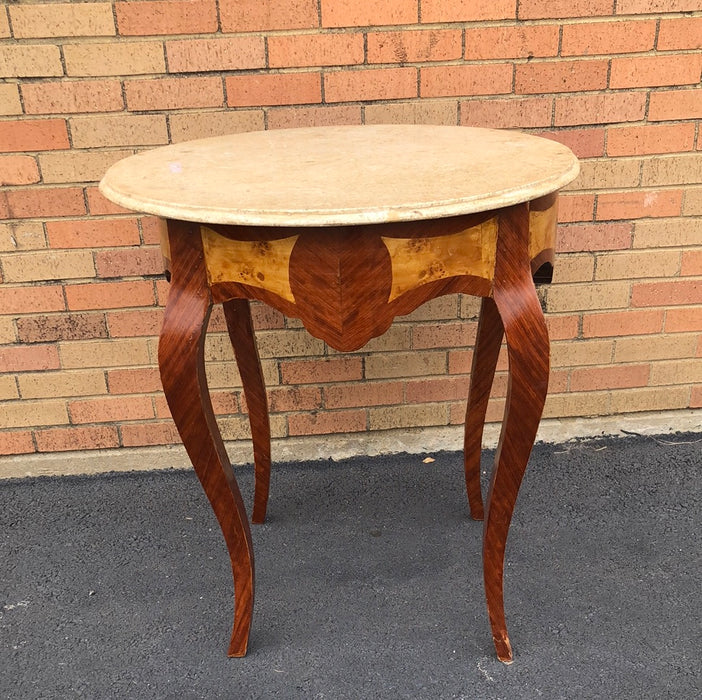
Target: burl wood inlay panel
[
  {"x": 420, "y": 260},
  {"x": 543, "y": 219},
  {"x": 257, "y": 263}
]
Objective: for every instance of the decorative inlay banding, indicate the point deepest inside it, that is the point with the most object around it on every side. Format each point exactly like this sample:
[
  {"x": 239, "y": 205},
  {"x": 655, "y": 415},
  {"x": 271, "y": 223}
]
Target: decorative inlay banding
[
  {"x": 543, "y": 219},
  {"x": 417, "y": 261},
  {"x": 264, "y": 263}
]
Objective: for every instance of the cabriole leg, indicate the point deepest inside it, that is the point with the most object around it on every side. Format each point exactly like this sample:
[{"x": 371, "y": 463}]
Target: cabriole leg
[
  {"x": 181, "y": 362},
  {"x": 238, "y": 315},
  {"x": 528, "y": 348},
  {"x": 485, "y": 354}
]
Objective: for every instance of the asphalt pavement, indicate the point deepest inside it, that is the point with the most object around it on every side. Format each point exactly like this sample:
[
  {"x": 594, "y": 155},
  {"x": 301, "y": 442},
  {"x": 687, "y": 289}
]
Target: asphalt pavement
[{"x": 368, "y": 582}]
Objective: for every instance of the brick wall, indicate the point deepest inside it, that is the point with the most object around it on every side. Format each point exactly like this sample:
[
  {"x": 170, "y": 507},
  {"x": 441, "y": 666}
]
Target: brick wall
[{"x": 87, "y": 83}]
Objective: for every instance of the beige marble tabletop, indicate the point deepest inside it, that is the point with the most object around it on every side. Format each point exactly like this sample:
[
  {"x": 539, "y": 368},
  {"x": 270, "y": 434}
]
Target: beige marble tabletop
[{"x": 340, "y": 175}]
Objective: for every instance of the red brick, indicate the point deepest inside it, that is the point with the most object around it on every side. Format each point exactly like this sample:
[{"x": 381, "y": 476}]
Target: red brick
[
  {"x": 643, "y": 7},
  {"x": 362, "y": 395},
  {"x": 576, "y": 207},
  {"x": 467, "y": 10},
  {"x": 223, "y": 403},
  {"x": 443, "y": 335},
  {"x": 370, "y": 84},
  {"x": 511, "y": 42},
  {"x": 162, "y": 291},
  {"x": 675, "y": 104},
  {"x": 333, "y": 369},
  {"x": 547, "y": 9},
  {"x": 210, "y": 55},
  {"x": 164, "y": 17},
  {"x": 273, "y": 89},
  {"x": 683, "y": 320},
  {"x": 27, "y": 300},
  {"x": 100, "y": 206},
  {"x": 18, "y": 170},
  {"x": 577, "y": 110},
  {"x": 620, "y": 323},
  {"x": 287, "y": 117},
  {"x": 658, "y": 138},
  {"x": 93, "y": 233},
  {"x": 597, "y": 378},
  {"x": 41, "y": 202},
  {"x": 111, "y": 408},
  {"x": 557, "y": 382},
  {"x": 674, "y": 293},
  {"x": 691, "y": 263},
  {"x": 109, "y": 295},
  {"x": 33, "y": 135},
  {"x": 696, "y": 397},
  {"x": 575, "y": 238},
  {"x": 505, "y": 113},
  {"x": 459, "y": 361},
  {"x": 291, "y": 398},
  {"x": 50, "y": 328},
  {"x": 560, "y": 76},
  {"x": 442, "y": 389},
  {"x": 288, "y": 51},
  {"x": 562, "y": 327},
  {"x": 647, "y": 71},
  {"x": 494, "y": 414},
  {"x": 445, "y": 81},
  {"x": 680, "y": 33},
  {"x": 151, "y": 227},
  {"x": 138, "y": 380},
  {"x": 129, "y": 263},
  {"x": 129, "y": 324},
  {"x": 57, "y": 97},
  {"x": 342, "y": 13},
  {"x": 585, "y": 143},
  {"x": 638, "y": 204},
  {"x": 327, "y": 423},
  {"x": 22, "y": 358},
  {"x": 16, "y": 442},
  {"x": 97, "y": 437},
  {"x": 261, "y": 15},
  {"x": 414, "y": 46},
  {"x": 618, "y": 36},
  {"x": 161, "y": 409},
  {"x": 152, "y": 433},
  {"x": 173, "y": 93}
]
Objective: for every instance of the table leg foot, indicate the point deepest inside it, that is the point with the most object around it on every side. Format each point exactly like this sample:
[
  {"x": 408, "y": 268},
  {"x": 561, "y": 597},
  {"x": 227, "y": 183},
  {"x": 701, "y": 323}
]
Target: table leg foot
[
  {"x": 504, "y": 650},
  {"x": 487, "y": 350},
  {"x": 181, "y": 363},
  {"x": 237, "y": 313},
  {"x": 528, "y": 349}
]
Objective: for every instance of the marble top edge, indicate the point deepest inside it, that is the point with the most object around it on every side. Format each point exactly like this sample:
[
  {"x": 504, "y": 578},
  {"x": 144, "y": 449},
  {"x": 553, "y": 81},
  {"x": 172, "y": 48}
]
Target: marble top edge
[{"x": 278, "y": 177}]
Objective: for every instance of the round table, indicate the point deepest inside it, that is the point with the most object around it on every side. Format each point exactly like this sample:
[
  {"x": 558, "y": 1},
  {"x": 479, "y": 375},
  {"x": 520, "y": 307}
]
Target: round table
[{"x": 345, "y": 228}]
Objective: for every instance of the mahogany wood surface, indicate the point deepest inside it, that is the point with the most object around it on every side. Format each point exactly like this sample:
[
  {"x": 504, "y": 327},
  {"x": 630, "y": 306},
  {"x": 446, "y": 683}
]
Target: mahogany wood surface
[
  {"x": 340, "y": 283},
  {"x": 525, "y": 331},
  {"x": 181, "y": 363},
  {"x": 238, "y": 316},
  {"x": 485, "y": 354}
]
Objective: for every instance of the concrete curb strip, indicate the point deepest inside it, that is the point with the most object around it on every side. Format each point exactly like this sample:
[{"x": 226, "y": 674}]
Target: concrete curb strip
[{"x": 336, "y": 447}]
